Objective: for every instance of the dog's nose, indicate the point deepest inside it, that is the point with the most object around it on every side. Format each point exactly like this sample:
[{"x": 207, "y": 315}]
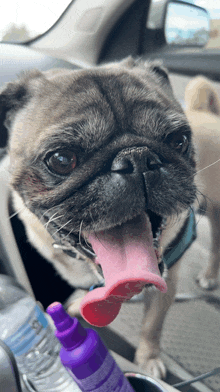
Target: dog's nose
[
  {"x": 154, "y": 162},
  {"x": 122, "y": 164},
  {"x": 141, "y": 160}
]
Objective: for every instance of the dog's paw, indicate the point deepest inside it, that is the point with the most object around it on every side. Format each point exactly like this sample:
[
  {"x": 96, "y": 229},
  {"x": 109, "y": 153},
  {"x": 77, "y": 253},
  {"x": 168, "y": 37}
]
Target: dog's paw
[
  {"x": 152, "y": 366},
  {"x": 155, "y": 367},
  {"x": 206, "y": 283},
  {"x": 73, "y": 303},
  {"x": 74, "y": 308}
]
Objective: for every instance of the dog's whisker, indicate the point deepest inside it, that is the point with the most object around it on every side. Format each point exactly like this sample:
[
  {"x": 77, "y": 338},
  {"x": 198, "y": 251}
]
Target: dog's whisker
[
  {"x": 46, "y": 212},
  {"x": 67, "y": 235},
  {"x": 80, "y": 235},
  {"x": 17, "y": 212},
  {"x": 202, "y": 202},
  {"x": 198, "y": 219},
  {"x": 52, "y": 219},
  {"x": 207, "y": 167},
  {"x": 60, "y": 228},
  {"x": 90, "y": 213},
  {"x": 85, "y": 239},
  {"x": 80, "y": 232},
  {"x": 207, "y": 200}
]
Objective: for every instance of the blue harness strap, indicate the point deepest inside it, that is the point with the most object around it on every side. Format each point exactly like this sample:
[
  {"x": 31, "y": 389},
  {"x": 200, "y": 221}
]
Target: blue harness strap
[{"x": 183, "y": 241}]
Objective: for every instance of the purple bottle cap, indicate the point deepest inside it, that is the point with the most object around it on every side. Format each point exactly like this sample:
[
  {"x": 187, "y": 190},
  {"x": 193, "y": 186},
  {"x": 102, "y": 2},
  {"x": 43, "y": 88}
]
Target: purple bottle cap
[{"x": 70, "y": 332}]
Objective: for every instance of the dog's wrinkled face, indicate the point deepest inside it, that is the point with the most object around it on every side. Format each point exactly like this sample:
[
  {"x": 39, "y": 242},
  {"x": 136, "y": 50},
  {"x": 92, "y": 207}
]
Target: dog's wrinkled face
[{"x": 93, "y": 151}]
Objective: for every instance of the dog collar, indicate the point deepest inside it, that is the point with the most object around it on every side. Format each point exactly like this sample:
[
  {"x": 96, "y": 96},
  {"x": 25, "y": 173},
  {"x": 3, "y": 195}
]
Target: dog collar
[{"x": 182, "y": 242}]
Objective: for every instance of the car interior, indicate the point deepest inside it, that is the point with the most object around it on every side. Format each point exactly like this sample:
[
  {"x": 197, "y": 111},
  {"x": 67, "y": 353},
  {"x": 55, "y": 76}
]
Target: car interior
[{"x": 89, "y": 34}]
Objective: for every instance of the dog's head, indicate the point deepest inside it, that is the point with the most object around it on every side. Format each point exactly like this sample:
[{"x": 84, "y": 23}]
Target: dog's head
[{"x": 102, "y": 157}]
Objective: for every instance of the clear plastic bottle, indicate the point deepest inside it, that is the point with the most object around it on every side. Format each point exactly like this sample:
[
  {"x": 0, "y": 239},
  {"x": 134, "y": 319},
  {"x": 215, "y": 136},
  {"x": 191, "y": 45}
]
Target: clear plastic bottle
[{"x": 26, "y": 330}]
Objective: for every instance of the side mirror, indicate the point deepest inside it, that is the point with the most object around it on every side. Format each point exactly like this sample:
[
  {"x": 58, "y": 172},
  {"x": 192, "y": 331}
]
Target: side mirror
[{"x": 186, "y": 24}]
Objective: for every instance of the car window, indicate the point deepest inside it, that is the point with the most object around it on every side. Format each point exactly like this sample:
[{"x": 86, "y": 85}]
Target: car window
[
  {"x": 22, "y": 20},
  {"x": 213, "y": 8}
]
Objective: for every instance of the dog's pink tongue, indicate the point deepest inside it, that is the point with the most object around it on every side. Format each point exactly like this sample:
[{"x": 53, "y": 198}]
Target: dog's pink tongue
[{"x": 128, "y": 261}]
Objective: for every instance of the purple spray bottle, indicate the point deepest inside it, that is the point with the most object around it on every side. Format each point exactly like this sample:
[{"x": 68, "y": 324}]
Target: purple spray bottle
[{"x": 85, "y": 356}]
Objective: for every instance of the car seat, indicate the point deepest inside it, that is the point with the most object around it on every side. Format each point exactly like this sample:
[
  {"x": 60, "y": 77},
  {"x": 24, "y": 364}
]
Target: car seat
[{"x": 17, "y": 257}]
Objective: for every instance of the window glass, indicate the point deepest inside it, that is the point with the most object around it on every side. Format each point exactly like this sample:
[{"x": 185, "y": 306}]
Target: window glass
[
  {"x": 213, "y": 7},
  {"x": 21, "y": 20}
]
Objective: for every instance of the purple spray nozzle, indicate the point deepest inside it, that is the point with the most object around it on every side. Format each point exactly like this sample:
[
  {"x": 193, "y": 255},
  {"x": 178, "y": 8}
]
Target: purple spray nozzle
[
  {"x": 69, "y": 330},
  {"x": 85, "y": 355},
  {"x": 61, "y": 319}
]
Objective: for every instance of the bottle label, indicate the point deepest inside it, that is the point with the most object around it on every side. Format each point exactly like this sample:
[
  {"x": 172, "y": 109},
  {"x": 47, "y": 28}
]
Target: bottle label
[
  {"x": 108, "y": 377},
  {"x": 29, "y": 334}
]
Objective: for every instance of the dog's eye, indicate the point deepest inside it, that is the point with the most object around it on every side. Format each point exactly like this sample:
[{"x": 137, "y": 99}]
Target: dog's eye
[
  {"x": 179, "y": 142},
  {"x": 62, "y": 162}
]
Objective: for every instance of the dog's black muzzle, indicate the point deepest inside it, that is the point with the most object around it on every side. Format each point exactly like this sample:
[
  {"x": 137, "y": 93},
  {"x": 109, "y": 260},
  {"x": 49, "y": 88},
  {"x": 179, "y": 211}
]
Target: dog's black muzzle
[{"x": 137, "y": 160}]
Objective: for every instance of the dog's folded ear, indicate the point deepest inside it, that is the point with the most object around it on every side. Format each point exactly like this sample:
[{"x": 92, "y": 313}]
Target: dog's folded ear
[
  {"x": 161, "y": 76},
  {"x": 14, "y": 96},
  {"x": 155, "y": 67},
  {"x": 158, "y": 69}
]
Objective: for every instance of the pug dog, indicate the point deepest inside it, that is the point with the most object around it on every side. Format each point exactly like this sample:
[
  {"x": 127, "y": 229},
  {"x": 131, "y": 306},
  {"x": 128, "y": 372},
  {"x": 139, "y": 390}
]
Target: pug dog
[
  {"x": 102, "y": 169},
  {"x": 203, "y": 112}
]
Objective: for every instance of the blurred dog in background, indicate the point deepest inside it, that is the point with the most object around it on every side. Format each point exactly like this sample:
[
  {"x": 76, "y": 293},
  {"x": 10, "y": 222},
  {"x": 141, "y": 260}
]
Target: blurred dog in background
[{"x": 203, "y": 112}]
